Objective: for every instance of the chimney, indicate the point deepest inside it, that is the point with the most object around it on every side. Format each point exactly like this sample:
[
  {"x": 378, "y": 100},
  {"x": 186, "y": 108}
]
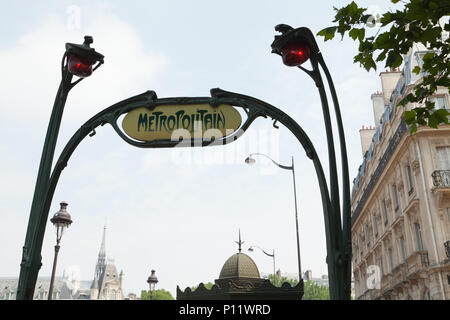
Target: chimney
[
  {"x": 378, "y": 106},
  {"x": 366, "y": 134},
  {"x": 389, "y": 80}
]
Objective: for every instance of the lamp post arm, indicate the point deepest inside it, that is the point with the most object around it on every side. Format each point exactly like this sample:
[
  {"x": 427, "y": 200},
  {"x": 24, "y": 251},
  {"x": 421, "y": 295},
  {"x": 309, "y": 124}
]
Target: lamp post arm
[
  {"x": 276, "y": 163},
  {"x": 268, "y": 254}
]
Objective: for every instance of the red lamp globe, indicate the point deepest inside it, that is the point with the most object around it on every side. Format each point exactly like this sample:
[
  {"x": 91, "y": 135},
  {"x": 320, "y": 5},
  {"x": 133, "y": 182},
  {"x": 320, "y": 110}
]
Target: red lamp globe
[
  {"x": 79, "y": 66},
  {"x": 295, "y": 54}
]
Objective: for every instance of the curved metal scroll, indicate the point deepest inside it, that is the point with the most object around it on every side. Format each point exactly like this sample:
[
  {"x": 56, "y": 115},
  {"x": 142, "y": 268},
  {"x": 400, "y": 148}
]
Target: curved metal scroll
[{"x": 253, "y": 107}]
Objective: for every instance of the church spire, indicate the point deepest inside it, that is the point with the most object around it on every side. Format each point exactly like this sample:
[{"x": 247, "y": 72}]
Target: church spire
[
  {"x": 101, "y": 261},
  {"x": 102, "y": 247}
]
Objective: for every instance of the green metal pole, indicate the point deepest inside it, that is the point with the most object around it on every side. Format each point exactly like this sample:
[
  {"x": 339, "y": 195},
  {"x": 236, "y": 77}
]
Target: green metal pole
[
  {"x": 334, "y": 256},
  {"x": 346, "y": 203},
  {"x": 31, "y": 255}
]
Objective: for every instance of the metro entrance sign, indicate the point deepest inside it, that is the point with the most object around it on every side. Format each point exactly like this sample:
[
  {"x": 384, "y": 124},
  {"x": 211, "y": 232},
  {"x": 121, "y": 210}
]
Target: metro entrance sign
[
  {"x": 151, "y": 122},
  {"x": 168, "y": 121}
]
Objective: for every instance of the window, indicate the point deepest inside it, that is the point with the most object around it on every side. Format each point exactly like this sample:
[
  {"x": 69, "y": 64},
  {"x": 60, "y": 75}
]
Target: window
[
  {"x": 381, "y": 266},
  {"x": 394, "y": 191},
  {"x": 361, "y": 245},
  {"x": 367, "y": 235},
  {"x": 418, "y": 232},
  {"x": 410, "y": 179},
  {"x": 385, "y": 213},
  {"x": 41, "y": 295},
  {"x": 439, "y": 102},
  {"x": 402, "y": 248},
  {"x": 7, "y": 295},
  {"x": 364, "y": 281},
  {"x": 55, "y": 295},
  {"x": 375, "y": 225},
  {"x": 113, "y": 295},
  {"x": 443, "y": 157},
  {"x": 391, "y": 260}
]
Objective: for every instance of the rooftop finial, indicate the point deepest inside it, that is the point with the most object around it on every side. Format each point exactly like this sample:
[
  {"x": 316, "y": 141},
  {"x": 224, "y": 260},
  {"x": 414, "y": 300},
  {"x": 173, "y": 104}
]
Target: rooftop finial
[{"x": 240, "y": 242}]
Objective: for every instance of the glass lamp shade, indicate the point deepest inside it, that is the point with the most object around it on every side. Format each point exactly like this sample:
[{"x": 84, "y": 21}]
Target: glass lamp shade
[
  {"x": 61, "y": 220},
  {"x": 295, "y": 54},
  {"x": 250, "y": 160},
  {"x": 152, "y": 280},
  {"x": 79, "y": 66}
]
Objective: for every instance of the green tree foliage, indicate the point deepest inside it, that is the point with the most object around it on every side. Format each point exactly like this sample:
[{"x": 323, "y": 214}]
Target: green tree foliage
[
  {"x": 312, "y": 291},
  {"x": 278, "y": 281},
  {"x": 207, "y": 286},
  {"x": 417, "y": 22},
  {"x": 159, "y": 294}
]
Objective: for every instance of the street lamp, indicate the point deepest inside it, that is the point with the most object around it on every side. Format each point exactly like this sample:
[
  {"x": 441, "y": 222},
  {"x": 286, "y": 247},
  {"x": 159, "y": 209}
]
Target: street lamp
[
  {"x": 250, "y": 160},
  {"x": 152, "y": 281},
  {"x": 268, "y": 254},
  {"x": 78, "y": 60},
  {"x": 296, "y": 46},
  {"x": 61, "y": 220}
]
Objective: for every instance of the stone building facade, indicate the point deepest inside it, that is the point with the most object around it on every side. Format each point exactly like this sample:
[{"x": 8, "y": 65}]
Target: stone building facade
[{"x": 401, "y": 198}]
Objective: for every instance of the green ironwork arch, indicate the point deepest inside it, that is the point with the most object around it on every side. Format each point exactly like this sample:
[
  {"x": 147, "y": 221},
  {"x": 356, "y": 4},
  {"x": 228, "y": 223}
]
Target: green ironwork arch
[{"x": 253, "y": 107}]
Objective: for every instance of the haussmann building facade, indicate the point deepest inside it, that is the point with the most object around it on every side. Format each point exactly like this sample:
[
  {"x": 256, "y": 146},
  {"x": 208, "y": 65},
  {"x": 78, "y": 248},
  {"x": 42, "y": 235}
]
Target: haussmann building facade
[{"x": 401, "y": 198}]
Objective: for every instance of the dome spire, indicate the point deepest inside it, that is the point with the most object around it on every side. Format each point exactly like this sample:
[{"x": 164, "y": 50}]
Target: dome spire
[{"x": 240, "y": 242}]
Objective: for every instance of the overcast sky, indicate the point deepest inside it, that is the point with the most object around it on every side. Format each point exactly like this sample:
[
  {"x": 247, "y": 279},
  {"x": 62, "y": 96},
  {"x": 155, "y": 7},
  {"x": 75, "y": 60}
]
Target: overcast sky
[{"x": 175, "y": 211}]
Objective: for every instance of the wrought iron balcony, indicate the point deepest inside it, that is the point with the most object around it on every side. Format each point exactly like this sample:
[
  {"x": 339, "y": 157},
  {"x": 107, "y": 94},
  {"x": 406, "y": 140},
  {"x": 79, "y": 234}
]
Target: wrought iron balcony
[{"x": 441, "y": 178}]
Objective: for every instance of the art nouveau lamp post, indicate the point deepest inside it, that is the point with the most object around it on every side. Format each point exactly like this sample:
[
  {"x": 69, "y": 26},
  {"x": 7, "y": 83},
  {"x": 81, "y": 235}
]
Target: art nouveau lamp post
[
  {"x": 78, "y": 60},
  {"x": 296, "y": 46},
  {"x": 152, "y": 281},
  {"x": 61, "y": 220},
  {"x": 251, "y": 160}
]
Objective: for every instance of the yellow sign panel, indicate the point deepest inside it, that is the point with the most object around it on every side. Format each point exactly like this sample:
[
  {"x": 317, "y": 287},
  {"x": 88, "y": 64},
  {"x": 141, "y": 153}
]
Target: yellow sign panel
[{"x": 167, "y": 121}]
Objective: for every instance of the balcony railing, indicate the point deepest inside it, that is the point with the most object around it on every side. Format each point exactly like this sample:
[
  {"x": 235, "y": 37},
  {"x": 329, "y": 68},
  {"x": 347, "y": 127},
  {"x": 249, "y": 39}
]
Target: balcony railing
[
  {"x": 441, "y": 178},
  {"x": 417, "y": 262},
  {"x": 399, "y": 275}
]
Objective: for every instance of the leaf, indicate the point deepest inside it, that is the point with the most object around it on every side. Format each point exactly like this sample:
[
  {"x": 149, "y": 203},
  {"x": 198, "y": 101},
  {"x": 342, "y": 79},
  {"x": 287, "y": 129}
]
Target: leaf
[
  {"x": 394, "y": 60},
  {"x": 416, "y": 70},
  {"x": 353, "y": 34},
  {"x": 328, "y": 33},
  {"x": 441, "y": 115},
  {"x": 410, "y": 116},
  {"x": 428, "y": 56},
  {"x": 361, "y": 34}
]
